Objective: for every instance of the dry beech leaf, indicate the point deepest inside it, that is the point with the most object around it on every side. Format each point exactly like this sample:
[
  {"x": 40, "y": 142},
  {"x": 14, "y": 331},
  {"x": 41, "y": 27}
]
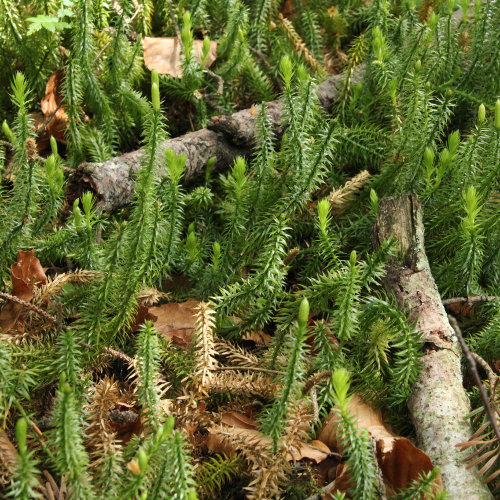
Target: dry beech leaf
[
  {"x": 238, "y": 424},
  {"x": 43, "y": 139},
  {"x": 343, "y": 480},
  {"x": 164, "y": 54},
  {"x": 27, "y": 273},
  {"x": 232, "y": 418},
  {"x": 8, "y": 453},
  {"x": 176, "y": 321},
  {"x": 142, "y": 314},
  {"x": 399, "y": 460},
  {"x": 53, "y": 98},
  {"x": 259, "y": 337}
]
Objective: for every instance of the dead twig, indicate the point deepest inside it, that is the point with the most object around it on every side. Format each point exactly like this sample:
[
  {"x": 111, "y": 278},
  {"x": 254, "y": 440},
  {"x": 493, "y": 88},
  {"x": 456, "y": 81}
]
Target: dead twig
[
  {"x": 473, "y": 366},
  {"x": 492, "y": 377},
  {"x": 174, "y": 20},
  {"x": 323, "y": 491},
  {"x": 49, "y": 119},
  {"x": 220, "y": 81},
  {"x": 291, "y": 256},
  {"x": 28, "y": 305},
  {"x": 470, "y": 300},
  {"x": 315, "y": 379},
  {"x": 113, "y": 352},
  {"x": 250, "y": 368}
]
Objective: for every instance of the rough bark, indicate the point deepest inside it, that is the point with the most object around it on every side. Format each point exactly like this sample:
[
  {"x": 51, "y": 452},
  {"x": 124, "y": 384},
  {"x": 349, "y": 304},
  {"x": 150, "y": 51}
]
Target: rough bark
[
  {"x": 225, "y": 138},
  {"x": 438, "y": 405}
]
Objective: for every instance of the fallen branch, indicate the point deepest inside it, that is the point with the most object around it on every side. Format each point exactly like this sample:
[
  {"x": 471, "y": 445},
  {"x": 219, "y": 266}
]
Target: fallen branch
[
  {"x": 225, "y": 138},
  {"x": 438, "y": 405}
]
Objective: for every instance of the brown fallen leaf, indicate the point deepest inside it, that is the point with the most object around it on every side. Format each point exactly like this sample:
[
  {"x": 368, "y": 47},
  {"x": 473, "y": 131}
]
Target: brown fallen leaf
[
  {"x": 176, "y": 321},
  {"x": 259, "y": 337},
  {"x": 238, "y": 424},
  {"x": 126, "y": 421},
  {"x": 8, "y": 454},
  {"x": 142, "y": 314},
  {"x": 27, "y": 273},
  {"x": 164, "y": 54},
  {"x": 43, "y": 138},
  {"x": 400, "y": 461},
  {"x": 235, "y": 419},
  {"x": 50, "y": 103}
]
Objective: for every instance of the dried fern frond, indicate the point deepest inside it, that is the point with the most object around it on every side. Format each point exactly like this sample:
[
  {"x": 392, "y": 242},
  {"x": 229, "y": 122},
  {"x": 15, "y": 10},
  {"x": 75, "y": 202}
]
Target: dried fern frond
[
  {"x": 267, "y": 469},
  {"x": 297, "y": 42},
  {"x": 100, "y": 434},
  {"x": 341, "y": 197},
  {"x": 53, "y": 286},
  {"x": 486, "y": 454},
  {"x": 297, "y": 428},
  {"x": 235, "y": 354},
  {"x": 255, "y": 384},
  {"x": 151, "y": 296},
  {"x": 189, "y": 412},
  {"x": 315, "y": 379},
  {"x": 8, "y": 458},
  {"x": 205, "y": 362}
]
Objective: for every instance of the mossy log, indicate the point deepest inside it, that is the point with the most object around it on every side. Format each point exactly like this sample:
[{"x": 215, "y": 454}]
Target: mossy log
[
  {"x": 438, "y": 405},
  {"x": 225, "y": 138}
]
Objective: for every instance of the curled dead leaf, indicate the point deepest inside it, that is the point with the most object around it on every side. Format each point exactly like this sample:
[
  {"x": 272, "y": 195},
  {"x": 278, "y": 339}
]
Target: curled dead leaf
[
  {"x": 8, "y": 453},
  {"x": 142, "y": 314},
  {"x": 400, "y": 461},
  {"x": 232, "y": 418},
  {"x": 27, "y": 274},
  {"x": 234, "y": 423},
  {"x": 164, "y": 54},
  {"x": 176, "y": 321},
  {"x": 50, "y": 104},
  {"x": 259, "y": 337}
]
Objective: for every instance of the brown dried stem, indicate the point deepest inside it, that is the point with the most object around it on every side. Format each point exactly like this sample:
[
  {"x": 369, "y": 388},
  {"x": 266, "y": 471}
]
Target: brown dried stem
[
  {"x": 492, "y": 377},
  {"x": 250, "y": 368},
  {"x": 28, "y": 305},
  {"x": 473, "y": 366},
  {"x": 49, "y": 119},
  {"x": 110, "y": 351},
  {"x": 470, "y": 300}
]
